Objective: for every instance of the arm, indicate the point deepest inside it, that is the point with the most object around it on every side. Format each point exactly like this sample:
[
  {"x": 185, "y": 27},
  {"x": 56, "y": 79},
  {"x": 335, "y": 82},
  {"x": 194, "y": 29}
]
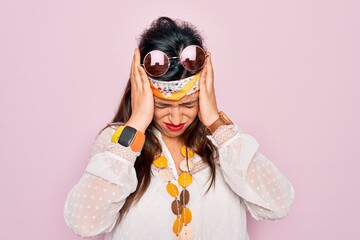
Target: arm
[
  {"x": 93, "y": 204},
  {"x": 263, "y": 188}
]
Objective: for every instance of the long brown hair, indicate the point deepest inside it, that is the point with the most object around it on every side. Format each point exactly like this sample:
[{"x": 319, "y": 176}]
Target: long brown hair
[
  {"x": 194, "y": 137},
  {"x": 170, "y": 37}
]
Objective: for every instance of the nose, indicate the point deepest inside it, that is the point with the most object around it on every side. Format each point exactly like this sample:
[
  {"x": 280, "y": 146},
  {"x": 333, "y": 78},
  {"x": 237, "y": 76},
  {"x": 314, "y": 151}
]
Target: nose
[{"x": 175, "y": 116}]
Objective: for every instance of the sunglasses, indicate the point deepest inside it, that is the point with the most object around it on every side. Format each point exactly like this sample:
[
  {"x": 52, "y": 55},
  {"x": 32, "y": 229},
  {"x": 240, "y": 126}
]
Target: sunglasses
[{"x": 156, "y": 63}]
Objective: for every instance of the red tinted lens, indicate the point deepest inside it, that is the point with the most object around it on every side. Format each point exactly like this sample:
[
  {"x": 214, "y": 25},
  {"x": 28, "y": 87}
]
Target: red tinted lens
[
  {"x": 193, "y": 57},
  {"x": 156, "y": 63}
]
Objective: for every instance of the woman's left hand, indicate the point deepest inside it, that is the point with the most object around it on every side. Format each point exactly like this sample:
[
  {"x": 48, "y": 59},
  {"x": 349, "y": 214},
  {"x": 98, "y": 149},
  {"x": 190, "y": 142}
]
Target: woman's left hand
[{"x": 208, "y": 111}]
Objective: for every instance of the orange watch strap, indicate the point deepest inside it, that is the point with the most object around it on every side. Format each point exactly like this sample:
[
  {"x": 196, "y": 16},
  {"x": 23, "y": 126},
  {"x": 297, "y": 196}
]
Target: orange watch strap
[{"x": 138, "y": 142}]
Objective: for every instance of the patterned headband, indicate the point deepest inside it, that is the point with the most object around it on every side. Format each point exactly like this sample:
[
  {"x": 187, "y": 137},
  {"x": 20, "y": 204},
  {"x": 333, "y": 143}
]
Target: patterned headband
[{"x": 175, "y": 90}]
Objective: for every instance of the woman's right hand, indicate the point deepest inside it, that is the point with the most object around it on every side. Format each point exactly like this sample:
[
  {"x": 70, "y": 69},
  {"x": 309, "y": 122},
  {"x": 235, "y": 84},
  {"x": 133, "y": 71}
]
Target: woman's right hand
[{"x": 142, "y": 99}]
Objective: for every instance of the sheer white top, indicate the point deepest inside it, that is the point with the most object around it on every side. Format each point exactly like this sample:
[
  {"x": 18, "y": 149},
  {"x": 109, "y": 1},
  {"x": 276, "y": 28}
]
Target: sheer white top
[{"x": 245, "y": 180}]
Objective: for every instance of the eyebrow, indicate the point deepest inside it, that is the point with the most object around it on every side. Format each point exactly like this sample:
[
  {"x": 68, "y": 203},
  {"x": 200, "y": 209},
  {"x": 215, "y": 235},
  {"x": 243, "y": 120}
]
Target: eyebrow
[{"x": 181, "y": 104}]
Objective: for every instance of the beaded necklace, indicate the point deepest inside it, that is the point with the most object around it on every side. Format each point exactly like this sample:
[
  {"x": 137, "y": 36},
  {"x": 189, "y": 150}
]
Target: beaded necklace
[{"x": 179, "y": 205}]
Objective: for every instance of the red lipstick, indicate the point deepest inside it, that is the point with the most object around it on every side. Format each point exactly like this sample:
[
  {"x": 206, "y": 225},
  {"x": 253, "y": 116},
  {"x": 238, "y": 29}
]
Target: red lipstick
[{"x": 175, "y": 128}]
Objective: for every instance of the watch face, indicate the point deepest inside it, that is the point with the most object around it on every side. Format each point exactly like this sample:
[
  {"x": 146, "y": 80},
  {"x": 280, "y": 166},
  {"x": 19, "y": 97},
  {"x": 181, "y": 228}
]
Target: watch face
[{"x": 127, "y": 136}]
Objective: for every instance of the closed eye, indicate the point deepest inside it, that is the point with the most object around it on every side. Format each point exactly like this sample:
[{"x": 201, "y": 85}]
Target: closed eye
[
  {"x": 188, "y": 105},
  {"x": 162, "y": 106}
]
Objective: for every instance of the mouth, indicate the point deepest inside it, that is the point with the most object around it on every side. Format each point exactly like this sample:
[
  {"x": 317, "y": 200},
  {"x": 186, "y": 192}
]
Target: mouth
[{"x": 175, "y": 128}]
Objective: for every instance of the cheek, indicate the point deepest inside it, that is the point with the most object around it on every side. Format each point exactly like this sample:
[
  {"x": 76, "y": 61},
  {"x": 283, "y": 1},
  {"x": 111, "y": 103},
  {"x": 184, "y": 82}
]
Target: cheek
[
  {"x": 159, "y": 114},
  {"x": 192, "y": 112}
]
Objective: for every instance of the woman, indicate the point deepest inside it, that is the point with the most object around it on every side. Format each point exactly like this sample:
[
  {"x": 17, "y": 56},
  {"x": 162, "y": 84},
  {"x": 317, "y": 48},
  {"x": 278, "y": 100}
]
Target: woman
[{"x": 177, "y": 168}]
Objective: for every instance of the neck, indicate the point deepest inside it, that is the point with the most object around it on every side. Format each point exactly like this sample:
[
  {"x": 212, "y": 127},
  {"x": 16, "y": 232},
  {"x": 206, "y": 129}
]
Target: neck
[{"x": 174, "y": 147}]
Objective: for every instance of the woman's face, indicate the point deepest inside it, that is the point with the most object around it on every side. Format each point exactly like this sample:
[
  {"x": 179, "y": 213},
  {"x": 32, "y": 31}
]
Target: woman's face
[{"x": 172, "y": 118}]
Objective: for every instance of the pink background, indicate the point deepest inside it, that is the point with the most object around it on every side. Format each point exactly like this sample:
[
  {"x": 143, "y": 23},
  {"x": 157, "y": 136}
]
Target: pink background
[{"x": 286, "y": 71}]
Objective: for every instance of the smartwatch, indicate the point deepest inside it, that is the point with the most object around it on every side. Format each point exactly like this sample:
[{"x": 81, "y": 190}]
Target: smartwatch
[{"x": 129, "y": 136}]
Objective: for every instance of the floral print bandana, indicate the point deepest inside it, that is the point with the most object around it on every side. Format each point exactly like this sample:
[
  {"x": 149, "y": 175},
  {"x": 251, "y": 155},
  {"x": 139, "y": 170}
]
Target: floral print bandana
[{"x": 175, "y": 90}]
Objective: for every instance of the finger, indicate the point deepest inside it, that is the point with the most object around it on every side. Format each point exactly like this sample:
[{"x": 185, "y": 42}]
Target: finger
[
  {"x": 136, "y": 74},
  {"x": 132, "y": 68},
  {"x": 203, "y": 80},
  {"x": 209, "y": 72},
  {"x": 144, "y": 77},
  {"x": 136, "y": 85}
]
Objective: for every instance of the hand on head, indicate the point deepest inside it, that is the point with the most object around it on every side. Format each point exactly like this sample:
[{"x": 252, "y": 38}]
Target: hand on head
[
  {"x": 142, "y": 103},
  {"x": 142, "y": 100},
  {"x": 208, "y": 112}
]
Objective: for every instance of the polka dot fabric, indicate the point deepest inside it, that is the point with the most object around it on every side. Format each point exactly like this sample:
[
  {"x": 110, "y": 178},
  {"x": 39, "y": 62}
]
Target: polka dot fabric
[
  {"x": 93, "y": 205},
  {"x": 245, "y": 180}
]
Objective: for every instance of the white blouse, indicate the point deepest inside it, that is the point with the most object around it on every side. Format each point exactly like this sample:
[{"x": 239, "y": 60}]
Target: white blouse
[{"x": 245, "y": 180}]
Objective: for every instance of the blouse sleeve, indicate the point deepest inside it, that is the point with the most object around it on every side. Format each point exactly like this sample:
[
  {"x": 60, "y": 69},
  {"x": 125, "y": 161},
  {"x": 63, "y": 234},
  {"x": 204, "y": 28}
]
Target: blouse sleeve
[
  {"x": 264, "y": 190},
  {"x": 93, "y": 204}
]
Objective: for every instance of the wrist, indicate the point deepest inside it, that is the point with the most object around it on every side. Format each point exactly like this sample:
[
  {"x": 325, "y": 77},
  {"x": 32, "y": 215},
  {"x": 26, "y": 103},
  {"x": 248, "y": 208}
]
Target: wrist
[
  {"x": 220, "y": 121},
  {"x": 128, "y": 136},
  {"x": 211, "y": 119},
  {"x": 139, "y": 126}
]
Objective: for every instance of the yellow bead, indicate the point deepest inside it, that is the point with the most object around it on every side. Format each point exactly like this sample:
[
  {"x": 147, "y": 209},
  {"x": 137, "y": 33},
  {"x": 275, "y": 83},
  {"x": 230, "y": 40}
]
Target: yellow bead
[
  {"x": 190, "y": 153},
  {"x": 186, "y": 215},
  {"x": 185, "y": 179},
  {"x": 177, "y": 226},
  {"x": 172, "y": 189},
  {"x": 161, "y": 162}
]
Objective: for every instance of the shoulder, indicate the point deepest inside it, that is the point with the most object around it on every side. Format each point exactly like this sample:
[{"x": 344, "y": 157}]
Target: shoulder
[
  {"x": 103, "y": 140},
  {"x": 109, "y": 130}
]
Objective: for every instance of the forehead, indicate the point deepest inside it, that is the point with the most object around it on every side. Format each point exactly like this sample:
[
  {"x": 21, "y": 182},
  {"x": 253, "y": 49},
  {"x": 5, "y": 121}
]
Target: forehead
[{"x": 189, "y": 98}]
